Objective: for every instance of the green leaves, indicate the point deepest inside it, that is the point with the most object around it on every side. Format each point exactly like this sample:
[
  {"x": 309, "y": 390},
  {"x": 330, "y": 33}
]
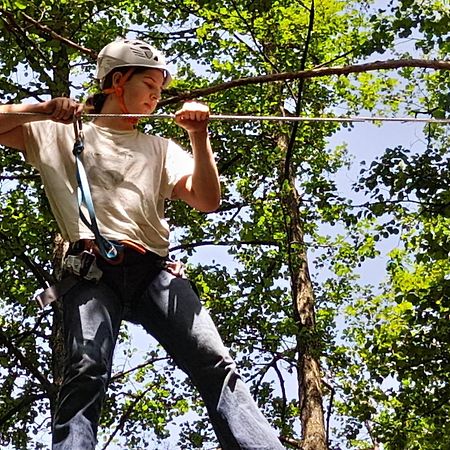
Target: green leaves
[{"x": 383, "y": 347}]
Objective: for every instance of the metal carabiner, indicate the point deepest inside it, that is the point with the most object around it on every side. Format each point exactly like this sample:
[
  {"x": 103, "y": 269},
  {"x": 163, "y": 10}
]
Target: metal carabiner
[{"x": 79, "y": 136}]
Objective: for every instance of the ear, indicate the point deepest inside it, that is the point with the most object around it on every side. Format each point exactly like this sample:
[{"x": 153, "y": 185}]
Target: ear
[{"x": 117, "y": 76}]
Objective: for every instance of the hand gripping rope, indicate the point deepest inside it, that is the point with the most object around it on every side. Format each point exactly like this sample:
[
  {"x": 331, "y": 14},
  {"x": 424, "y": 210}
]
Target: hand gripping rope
[{"x": 107, "y": 249}]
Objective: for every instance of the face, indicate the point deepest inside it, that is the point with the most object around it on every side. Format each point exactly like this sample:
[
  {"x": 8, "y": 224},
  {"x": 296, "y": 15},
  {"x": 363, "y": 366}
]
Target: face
[{"x": 143, "y": 91}]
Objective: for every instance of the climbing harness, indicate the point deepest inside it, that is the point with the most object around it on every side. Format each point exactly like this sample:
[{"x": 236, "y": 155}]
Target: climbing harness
[{"x": 80, "y": 262}]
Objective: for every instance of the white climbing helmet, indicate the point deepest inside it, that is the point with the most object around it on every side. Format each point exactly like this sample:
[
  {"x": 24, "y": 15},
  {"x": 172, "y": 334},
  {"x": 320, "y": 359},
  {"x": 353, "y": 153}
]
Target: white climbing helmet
[{"x": 130, "y": 53}]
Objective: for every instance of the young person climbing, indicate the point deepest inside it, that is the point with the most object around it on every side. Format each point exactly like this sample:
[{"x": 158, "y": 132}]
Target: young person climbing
[{"x": 129, "y": 176}]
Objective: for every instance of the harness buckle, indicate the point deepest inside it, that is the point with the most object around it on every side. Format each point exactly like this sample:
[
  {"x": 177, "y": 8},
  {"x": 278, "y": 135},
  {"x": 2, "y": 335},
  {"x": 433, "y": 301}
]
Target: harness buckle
[{"x": 83, "y": 265}]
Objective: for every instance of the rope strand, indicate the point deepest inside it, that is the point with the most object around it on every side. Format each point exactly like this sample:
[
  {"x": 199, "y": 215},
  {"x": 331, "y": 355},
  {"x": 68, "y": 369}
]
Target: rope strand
[{"x": 254, "y": 118}]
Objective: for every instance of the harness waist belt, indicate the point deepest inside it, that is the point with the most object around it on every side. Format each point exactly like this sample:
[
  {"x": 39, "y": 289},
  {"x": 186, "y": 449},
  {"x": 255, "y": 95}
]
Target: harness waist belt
[{"x": 91, "y": 246}]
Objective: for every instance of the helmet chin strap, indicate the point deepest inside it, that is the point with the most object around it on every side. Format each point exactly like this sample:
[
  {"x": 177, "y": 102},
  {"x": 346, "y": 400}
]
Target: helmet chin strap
[{"x": 118, "y": 90}]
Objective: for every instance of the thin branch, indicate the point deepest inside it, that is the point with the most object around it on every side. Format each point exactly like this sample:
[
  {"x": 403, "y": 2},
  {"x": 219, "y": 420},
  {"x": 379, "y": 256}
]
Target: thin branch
[
  {"x": 225, "y": 244},
  {"x": 19, "y": 177},
  {"x": 126, "y": 415},
  {"x": 330, "y": 407},
  {"x": 40, "y": 274},
  {"x": 28, "y": 47},
  {"x": 26, "y": 400},
  {"x": 32, "y": 331},
  {"x": 368, "y": 205},
  {"x": 283, "y": 391},
  {"x": 389, "y": 64},
  {"x": 224, "y": 166},
  {"x": 369, "y": 428},
  {"x": 298, "y": 106},
  {"x": 119, "y": 375},
  {"x": 181, "y": 34},
  {"x": 12, "y": 87},
  {"x": 230, "y": 207},
  {"x": 292, "y": 442},
  {"x": 60, "y": 38},
  {"x": 326, "y": 63},
  {"x": 26, "y": 363}
]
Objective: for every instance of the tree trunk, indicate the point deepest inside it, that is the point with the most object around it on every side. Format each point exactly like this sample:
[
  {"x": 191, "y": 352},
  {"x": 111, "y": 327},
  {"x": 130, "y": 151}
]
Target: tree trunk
[
  {"x": 57, "y": 338},
  {"x": 60, "y": 88},
  {"x": 308, "y": 366}
]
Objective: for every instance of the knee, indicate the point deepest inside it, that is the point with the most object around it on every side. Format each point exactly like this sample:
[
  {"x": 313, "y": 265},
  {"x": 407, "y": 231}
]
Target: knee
[
  {"x": 215, "y": 368},
  {"x": 88, "y": 360}
]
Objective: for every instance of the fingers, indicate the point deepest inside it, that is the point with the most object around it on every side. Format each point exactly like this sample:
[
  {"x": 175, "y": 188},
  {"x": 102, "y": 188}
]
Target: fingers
[
  {"x": 63, "y": 109},
  {"x": 176, "y": 268},
  {"x": 79, "y": 109},
  {"x": 193, "y": 111},
  {"x": 193, "y": 116}
]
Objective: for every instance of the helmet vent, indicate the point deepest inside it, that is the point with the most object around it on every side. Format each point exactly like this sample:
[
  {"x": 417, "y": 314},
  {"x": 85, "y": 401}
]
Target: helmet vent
[{"x": 144, "y": 52}]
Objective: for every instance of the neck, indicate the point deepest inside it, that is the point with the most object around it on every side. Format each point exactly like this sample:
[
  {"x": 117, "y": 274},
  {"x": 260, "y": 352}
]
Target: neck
[
  {"x": 111, "y": 106},
  {"x": 115, "y": 123}
]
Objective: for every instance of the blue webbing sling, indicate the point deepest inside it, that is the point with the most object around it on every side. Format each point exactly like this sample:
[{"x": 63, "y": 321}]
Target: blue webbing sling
[{"x": 109, "y": 250}]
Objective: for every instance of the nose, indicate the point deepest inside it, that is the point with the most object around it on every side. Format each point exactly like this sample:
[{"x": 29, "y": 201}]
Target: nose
[{"x": 154, "y": 98}]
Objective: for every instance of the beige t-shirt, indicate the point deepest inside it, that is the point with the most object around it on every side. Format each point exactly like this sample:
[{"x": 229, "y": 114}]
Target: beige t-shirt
[{"x": 130, "y": 175}]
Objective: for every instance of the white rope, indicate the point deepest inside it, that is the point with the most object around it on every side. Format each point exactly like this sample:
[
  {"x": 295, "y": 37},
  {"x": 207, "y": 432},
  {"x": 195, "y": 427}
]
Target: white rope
[{"x": 250, "y": 118}]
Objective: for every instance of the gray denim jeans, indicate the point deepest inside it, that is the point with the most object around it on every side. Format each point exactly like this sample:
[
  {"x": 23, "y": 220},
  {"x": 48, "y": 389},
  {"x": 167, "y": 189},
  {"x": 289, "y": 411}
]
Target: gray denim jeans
[{"x": 140, "y": 291}]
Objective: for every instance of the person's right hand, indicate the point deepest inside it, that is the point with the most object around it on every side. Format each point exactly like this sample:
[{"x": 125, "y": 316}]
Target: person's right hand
[{"x": 62, "y": 109}]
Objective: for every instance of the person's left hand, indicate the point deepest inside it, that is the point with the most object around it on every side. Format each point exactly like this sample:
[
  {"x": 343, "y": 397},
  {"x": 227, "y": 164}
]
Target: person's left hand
[
  {"x": 176, "y": 268},
  {"x": 193, "y": 117}
]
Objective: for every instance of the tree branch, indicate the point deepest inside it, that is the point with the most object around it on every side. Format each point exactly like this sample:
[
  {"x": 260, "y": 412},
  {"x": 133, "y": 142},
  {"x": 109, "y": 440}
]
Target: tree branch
[
  {"x": 119, "y": 375},
  {"x": 330, "y": 408},
  {"x": 19, "y": 177},
  {"x": 225, "y": 244},
  {"x": 12, "y": 87},
  {"x": 28, "y": 46},
  {"x": 126, "y": 415},
  {"x": 41, "y": 275},
  {"x": 60, "y": 38},
  {"x": 299, "y": 102},
  {"x": 24, "y": 334},
  {"x": 181, "y": 34},
  {"x": 291, "y": 442},
  {"x": 389, "y": 64},
  {"x": 230, "y": 207},
  {"x": 26, "y": 400},
  {"x": 25, "y": 363}
]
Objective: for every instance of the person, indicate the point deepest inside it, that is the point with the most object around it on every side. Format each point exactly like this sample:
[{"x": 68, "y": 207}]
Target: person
[{"x": 131, "y": 175}]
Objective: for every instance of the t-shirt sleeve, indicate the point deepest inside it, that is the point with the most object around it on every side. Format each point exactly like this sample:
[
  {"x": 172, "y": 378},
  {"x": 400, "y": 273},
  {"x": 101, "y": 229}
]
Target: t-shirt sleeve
[
  {"x": 36, "y": 135},
  {"x": 178, "y": 163}
]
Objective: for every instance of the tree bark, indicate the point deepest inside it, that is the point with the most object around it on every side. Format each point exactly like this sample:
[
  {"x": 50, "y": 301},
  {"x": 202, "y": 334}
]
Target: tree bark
[
  {"x": 390, "y": 64},
  {"x": 57, "y": 337},
  {"x": 308, "y": 365}
]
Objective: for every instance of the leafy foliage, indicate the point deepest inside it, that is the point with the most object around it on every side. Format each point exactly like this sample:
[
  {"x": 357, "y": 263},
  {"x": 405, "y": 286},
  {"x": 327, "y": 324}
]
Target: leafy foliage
[{"x": 383, "y": 349}]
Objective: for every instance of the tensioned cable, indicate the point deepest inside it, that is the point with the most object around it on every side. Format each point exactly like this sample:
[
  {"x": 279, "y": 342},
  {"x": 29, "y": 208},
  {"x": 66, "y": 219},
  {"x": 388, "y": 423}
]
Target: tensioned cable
[{"x": 255, "y": 118}]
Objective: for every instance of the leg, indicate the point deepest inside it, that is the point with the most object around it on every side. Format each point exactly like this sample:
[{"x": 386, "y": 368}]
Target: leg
[
  {"x": 172, "y": 312},
  {"x": 91, "y": 315}
]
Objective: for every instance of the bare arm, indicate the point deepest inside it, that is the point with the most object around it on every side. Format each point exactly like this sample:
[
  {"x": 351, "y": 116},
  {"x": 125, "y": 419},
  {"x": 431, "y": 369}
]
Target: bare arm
[
  {"x": 11, "y": 132},
  {"x": 201, "y": 190}
]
